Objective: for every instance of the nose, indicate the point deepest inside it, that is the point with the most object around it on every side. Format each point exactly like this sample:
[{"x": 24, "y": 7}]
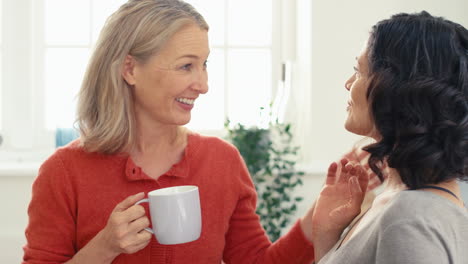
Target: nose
[
  {"x": 349, "y": 83},
  {"x": 201, "y": 83}
]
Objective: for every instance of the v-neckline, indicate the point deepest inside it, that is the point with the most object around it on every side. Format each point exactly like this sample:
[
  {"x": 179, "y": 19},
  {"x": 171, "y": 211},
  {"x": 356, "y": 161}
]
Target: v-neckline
[{"x": 353, "y": 224}]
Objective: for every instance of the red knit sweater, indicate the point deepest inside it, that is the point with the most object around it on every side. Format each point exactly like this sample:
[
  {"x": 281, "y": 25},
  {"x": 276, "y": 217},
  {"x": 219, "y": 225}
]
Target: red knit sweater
[{"x": 76, "y": 191}]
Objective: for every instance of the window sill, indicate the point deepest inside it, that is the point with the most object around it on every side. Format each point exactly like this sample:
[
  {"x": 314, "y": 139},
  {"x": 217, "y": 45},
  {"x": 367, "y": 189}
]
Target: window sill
[
  {"x": 21, "y": 163},
  {"x": 19, "y": 169}
]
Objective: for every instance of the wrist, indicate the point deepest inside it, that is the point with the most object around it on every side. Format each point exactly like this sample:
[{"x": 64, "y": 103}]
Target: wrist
[
  {"x": 306, "y": 227},
  {"x": 96, "y": 251},
  {"x": 102, "y": 247}
]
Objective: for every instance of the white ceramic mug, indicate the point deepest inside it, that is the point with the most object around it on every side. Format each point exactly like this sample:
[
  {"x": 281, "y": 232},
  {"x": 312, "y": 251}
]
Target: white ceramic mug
[{"x": 175, "y": 214}]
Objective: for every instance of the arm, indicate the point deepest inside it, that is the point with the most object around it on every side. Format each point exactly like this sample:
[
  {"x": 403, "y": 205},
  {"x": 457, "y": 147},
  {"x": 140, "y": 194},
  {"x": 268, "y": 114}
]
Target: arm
[
  {"x": 246, "y": 241},
  {"x": 51, "y": 232}
]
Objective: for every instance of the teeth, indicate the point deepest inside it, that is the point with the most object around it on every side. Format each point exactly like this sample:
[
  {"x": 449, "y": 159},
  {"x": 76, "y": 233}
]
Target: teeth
[{"x": 185, "y": 101}]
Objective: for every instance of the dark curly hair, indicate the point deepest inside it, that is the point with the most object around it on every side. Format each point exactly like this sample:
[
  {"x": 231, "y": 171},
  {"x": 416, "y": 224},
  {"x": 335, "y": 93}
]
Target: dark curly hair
[{"x": 418, "y": 65}]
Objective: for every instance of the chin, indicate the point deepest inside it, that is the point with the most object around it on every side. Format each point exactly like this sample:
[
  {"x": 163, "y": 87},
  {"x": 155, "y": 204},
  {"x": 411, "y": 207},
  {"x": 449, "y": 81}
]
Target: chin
[
  {"x": 356, "y": 129},
  {"x": 183, "y": 121},
  {"x": 349, "y": 128}
]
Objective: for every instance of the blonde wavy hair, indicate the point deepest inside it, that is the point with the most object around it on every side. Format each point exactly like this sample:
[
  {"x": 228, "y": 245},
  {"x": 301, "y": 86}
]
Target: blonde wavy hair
[{"x": 140, "y": 28}]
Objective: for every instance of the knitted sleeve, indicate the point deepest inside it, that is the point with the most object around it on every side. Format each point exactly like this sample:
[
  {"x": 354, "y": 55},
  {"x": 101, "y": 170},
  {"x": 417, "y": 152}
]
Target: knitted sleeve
[
  {"x": 50, "y": 233},
  {"x": 246, "y": 241}
]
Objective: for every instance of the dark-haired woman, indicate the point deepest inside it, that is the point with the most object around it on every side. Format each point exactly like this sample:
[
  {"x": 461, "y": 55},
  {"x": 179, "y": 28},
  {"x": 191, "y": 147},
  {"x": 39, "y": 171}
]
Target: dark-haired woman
[{"x": 409, "y": 92}]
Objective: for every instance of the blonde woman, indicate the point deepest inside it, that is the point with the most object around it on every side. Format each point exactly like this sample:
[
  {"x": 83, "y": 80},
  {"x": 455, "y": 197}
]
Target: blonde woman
[{"x": 146, "y": 73}]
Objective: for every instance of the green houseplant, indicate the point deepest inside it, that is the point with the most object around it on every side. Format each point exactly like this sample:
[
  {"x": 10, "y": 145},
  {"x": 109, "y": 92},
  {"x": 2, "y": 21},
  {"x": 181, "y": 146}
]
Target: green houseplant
[{"x": 270, "y": 159}]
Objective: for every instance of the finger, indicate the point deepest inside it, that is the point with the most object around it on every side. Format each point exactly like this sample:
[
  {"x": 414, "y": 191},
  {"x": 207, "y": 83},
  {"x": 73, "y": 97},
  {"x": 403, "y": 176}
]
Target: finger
[
  {"x": 140, "y": 243},
  {"x": 133, "y": 213},
  {"x": 357, "y": 195},
  {"x": 144, "y": 235},
  {"x": 128, "y": 202},
  {"x": 343, "y": 162},
  {"x": 347, "y": 167},
  {"x": 343, "y": 178},
  {"x": 363, "y": 178},
  {"x": 145, "y": 239},
  {"x": 331, "y": 174},
  {"x": 345, "y": 173},
  {"x": 139, "y": 224}
]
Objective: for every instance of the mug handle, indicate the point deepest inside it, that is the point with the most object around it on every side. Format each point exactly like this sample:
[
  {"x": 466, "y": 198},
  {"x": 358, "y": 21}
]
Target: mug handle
[{"x": 145, "y": 201}]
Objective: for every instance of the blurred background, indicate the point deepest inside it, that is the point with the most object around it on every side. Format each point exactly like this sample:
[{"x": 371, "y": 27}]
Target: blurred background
[{"x": 295, "y": 53}]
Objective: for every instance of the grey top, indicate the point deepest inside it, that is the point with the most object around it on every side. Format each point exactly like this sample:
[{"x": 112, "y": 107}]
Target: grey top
[{"x": 416, "y": 227}]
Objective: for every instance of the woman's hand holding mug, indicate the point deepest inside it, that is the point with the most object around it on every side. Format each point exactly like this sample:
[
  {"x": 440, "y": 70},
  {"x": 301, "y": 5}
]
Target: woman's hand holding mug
[
  {"x": 176, "y": 216},
  {"x": 125, "y": 229}
]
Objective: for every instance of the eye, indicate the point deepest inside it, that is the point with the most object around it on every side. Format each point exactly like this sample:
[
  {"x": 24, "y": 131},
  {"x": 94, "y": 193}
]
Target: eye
[
  {"x": 186, "y": 67},
  {"x": 205, "y": 64},
  {"x": 356, "y": 71}
]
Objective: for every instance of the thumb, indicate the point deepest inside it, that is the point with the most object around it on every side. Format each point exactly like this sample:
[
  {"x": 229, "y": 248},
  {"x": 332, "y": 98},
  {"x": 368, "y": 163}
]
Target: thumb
[{"x": 129, "y": 202}]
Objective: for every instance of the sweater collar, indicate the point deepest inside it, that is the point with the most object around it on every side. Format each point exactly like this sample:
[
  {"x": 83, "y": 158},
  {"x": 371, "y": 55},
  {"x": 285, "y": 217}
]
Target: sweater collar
[{"x": 181, "y": 169}]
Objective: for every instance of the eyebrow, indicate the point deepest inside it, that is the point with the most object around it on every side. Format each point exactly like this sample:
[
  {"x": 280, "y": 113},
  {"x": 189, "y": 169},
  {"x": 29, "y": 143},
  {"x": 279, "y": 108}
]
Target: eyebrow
[
  {"x": 192, "y": 56},
  {"x": 188, "y": 56}
]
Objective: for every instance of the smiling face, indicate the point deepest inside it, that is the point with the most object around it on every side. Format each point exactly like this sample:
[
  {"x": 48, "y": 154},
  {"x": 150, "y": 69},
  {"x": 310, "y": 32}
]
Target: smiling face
[
  {"x": 167, "y": 85},
  {"x": 359, "y": 120}
]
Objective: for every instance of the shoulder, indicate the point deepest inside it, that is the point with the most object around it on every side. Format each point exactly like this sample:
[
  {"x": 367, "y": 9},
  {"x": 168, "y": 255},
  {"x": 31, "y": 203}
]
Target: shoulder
[
  {"x": 73, "y": 157},
  {"x": 216, "y": 154},
  {"x": 71, "y": 151},
  {"x": 424, "y": 225},
  {"x": 421, "y": 206},
  {"x": 212, "y": 145},
  {"x": 57, "y": 158}
]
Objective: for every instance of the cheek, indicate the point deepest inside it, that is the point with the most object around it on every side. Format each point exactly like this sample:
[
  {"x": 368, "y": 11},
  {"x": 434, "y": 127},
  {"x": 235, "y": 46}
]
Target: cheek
[
  {"x": 174, "y": 84},
  {"x": 364, "y": 125},
  {"x": 359, "y": 94}
]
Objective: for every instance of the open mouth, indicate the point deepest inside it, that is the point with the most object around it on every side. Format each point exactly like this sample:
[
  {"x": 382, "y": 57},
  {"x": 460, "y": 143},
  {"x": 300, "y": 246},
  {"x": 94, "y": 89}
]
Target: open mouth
[{"x": 185, "y": 101}]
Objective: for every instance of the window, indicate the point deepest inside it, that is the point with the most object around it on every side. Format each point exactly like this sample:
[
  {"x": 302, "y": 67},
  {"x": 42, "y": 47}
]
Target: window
[
  {"x": 50, "y": 47},
  {"x": 240, "y": 66},
  {"x": 70, "y": 30}
]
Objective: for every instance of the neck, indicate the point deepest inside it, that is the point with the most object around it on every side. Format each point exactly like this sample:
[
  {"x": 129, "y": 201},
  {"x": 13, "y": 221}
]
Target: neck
[
  {"x": 151, "y": 138},
  {"x": 392, "y": 186},
  {"x": 394, "y": 182}
]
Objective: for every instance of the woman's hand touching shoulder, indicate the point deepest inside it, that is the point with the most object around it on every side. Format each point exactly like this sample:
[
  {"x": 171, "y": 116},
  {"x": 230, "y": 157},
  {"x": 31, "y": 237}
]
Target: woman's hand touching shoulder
[{"x": 337, "y": 205}]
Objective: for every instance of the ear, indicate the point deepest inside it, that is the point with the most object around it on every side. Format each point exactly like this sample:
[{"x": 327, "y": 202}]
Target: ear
[{"x": 128, "y": 70}]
